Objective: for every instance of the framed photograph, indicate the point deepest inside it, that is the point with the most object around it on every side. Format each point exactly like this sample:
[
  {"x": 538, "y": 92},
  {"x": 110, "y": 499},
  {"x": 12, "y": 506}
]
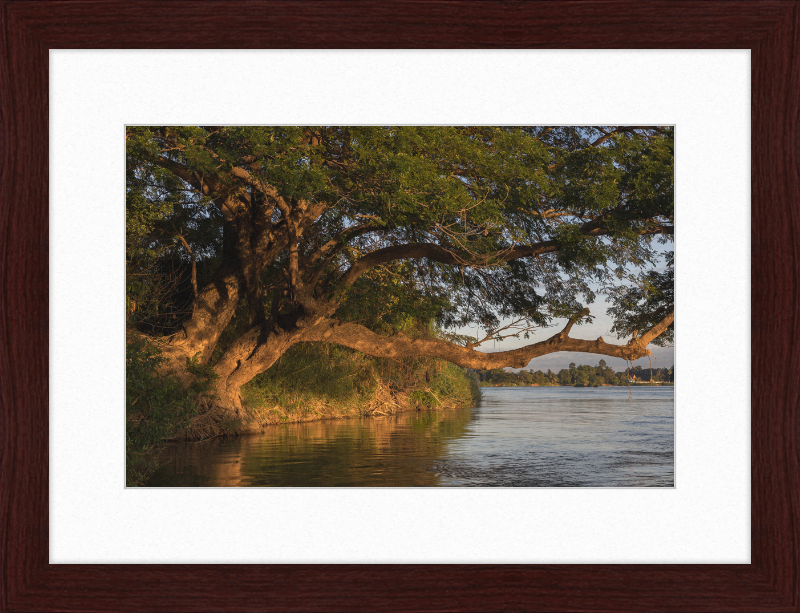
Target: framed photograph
[{"x": 76, "y": 73}]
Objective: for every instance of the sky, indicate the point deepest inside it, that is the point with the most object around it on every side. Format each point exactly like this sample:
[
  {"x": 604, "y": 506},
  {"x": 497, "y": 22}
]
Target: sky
[
  {"x": 663, "y": 357},
  {"x": 601, "y": 324}
]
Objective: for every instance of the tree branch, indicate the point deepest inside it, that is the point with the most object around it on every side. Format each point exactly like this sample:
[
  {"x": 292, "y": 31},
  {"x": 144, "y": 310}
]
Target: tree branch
[
  {"x": 443, "y": 255},
  {"x": 341, "y": 238},
  {"x": 658, "y": 329},
  {"x": 399, "y": 345},
  {"x": 178, "y": 170},
  {"x": 194, "y": 265},
  {"x": 438, "y": 254}
]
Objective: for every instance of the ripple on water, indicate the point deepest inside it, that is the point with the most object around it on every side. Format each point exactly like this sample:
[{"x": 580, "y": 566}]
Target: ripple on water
[{"x": 517, "y": 437}]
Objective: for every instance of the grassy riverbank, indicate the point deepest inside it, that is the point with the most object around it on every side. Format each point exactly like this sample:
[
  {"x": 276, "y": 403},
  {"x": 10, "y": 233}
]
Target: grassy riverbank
[
  {"x": 312, "y": 381},
  {"x": 321, "y": 381}
]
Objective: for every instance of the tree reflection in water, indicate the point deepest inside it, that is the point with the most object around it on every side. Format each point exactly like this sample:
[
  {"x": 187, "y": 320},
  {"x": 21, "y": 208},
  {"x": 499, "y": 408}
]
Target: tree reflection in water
[
  {"x": 519, "y": 437},
  {"x": 397, "y": 450}
]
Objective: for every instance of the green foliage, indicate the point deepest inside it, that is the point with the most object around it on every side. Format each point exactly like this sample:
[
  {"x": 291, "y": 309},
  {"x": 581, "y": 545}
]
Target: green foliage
[
  {"x": 479, "y": 190},
  {"x": 639, "y": 307},
  {"x": 577, "y": 376},
  {"x": 318, "y": 380},
  {"x": 455, "y": 382},
  {"x": 310, "y": 374},
  {"x": 423, "y": 398},
  {"x": 157, "y": 407},
  {"x": 204, "y": 373},
  {"x": 388, "y": 297}
]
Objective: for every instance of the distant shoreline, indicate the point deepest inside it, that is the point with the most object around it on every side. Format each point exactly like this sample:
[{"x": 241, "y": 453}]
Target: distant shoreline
[{"x": 656, "y": 384}]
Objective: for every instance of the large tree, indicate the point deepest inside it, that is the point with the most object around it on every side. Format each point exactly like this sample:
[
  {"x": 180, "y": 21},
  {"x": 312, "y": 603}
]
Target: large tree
[{"x": 298, "y": 234}]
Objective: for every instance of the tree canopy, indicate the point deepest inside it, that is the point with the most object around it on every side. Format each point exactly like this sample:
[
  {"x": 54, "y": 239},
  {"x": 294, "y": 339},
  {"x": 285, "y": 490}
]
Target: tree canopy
[{"x": 242, "y": 241}]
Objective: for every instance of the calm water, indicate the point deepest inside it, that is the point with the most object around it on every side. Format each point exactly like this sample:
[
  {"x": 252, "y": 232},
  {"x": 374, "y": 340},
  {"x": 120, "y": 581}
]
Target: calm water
[{"x": 523, "y": 437}]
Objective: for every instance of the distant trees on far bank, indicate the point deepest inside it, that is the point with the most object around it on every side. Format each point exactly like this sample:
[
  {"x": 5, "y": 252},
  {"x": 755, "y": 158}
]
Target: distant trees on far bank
[{"x": 581, "y": 376}]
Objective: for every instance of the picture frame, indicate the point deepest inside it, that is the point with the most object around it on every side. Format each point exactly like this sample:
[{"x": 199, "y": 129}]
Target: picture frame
[{"x": 771, "y": 29}]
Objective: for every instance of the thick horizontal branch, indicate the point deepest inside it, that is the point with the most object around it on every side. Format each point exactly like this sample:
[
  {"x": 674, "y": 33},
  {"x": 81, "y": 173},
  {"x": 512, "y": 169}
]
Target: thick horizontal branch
[
  {"x": 399, "y": 345},
  {"x": 440, "y": 254},
  {"x": 457, "y": 257},
  {"x": 178, "y": 170}
]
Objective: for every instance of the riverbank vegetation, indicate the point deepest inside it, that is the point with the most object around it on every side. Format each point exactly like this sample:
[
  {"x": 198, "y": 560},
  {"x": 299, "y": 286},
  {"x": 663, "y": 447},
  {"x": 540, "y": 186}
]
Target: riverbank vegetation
[
  {"x": 265, "y": 263},
  {"x": 329, "y": 381},
  {"x": 309, "y": 382},
  {"x": 577, "y": 376},
  {"x": 157, "y": 407}
]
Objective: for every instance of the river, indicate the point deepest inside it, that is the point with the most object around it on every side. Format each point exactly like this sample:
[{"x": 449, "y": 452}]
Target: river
[{"x": 516, "y": 437}]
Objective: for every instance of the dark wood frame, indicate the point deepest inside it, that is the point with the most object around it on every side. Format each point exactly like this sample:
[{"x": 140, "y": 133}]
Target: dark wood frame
[{"x": 771, "y": 29}]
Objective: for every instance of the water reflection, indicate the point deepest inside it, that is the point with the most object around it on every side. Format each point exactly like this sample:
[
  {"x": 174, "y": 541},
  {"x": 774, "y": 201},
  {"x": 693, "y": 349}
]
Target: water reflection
[
  {"x": 392, "y": 451},
  {"x": 529, "y": 437}
]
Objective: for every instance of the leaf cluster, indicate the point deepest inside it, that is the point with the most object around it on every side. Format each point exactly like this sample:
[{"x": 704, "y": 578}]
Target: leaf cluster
[{"x": 599, "y": 196}]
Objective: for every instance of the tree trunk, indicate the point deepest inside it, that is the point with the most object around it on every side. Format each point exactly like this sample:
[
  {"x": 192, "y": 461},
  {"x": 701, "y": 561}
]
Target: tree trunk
[
  {"x": 249, "y": 355},
  {"x": 212, "y": 311}
]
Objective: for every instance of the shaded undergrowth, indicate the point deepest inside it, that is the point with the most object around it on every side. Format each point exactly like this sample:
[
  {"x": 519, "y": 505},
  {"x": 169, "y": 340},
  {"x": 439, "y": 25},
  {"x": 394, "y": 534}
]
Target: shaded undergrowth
[{"x": 157, "y": 407}]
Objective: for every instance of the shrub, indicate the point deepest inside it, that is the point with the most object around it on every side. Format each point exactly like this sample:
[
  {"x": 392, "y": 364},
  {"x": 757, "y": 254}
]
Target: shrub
[{"x": 156, "y": 409}]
